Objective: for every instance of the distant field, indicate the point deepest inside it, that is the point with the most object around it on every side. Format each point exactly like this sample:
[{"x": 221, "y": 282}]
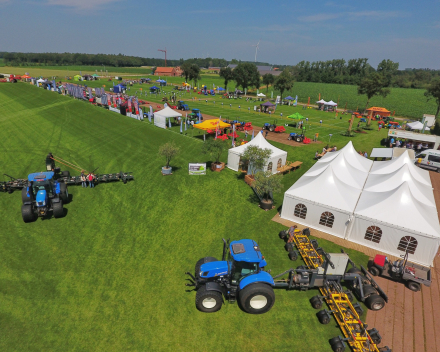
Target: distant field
[{"x": 404, "y": 102}]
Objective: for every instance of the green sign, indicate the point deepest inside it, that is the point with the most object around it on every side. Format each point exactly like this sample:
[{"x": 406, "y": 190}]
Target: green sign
[{"x": 197, "y": 168}]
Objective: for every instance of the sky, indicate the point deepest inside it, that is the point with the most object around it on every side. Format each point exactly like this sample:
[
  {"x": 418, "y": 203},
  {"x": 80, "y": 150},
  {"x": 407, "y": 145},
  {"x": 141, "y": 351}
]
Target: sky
[{"x": 406, "y": 31}]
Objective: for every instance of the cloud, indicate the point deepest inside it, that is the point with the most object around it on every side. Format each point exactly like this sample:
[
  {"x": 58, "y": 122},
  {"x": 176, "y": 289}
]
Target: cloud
[
  {"x": 79, "y": 4},
  {"x": 213, "y": 11},
  {"x": 320, "y": 17},
  {"x": 353, "y": 15}
]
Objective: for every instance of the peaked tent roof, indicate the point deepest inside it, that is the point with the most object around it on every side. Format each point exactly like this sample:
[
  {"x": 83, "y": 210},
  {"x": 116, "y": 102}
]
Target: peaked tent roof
[
  {"x": 351, "y": 155},
  {"x": 417, "y": 125},
  {"x": 322, "y": 101},
  {"x": 261, "y": 95},
  {"x": 326, "y": 188},
  {"x": 388, "y": 182},
  {"x": 168, "y": 112},
  {"x": 331, "y": 103},
  {"x": 260, "y": 142},
  {"x": 267, "y": 103},
  {"x": 375, "y": 108},
  {"x": 289, "y": 98},
  {"x": 409, "y": 213},
  {"x": 391, "y": 166}
]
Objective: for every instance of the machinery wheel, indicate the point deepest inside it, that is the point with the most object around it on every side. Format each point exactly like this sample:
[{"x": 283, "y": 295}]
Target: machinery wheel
[
  {"x": 323, "y": 317},
  {"x": 257, "y": 298},
  {"x": 24, "y": 197},
  {"x": 306, "y": 232},
  {"x": 64, "y": 193},
  {"x": 282, "y": 234},
  {"x": 413, "y": 286},
  {"x": 27, "y": 213},
  {"x": 58, "y": 210},
  {"x": 293, "y": 255},
  {"x": 354, "y": 271},
  {"x": 369, "y": 290},
  {"x": 298, "y": 139},
  {"x": 199, "y": 264},
  {"x": 375, "y": 302},
  {"x": 65, "y": 173},
  {"x": 375, "y": 271},
  {"x": 208, "y": 301},
  {"x": 320, "y": 251},
  {"x": 289, "y": 246},
  {"x": 349, "y": 296},
  {"x": 336, "y": 345},
  {"x": 314, "y": 244},
  {"x": 374, "y": 336},
  {"x": 316, "y": 302},
  {"x": 271, "y": 128},
  {"x": 359, "y": 310}
]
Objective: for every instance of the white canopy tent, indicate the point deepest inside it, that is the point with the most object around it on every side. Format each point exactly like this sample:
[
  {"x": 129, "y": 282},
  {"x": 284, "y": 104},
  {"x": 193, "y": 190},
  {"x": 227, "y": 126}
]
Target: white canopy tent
[
  {"x": 160, "y": 117},
  {"x": 326, "y": 195},
  {"x": 277, "y": 158},
  {"x": 395, "y": 221},
  {"x": 261, "y": 95},
  {"x": 417, "y": 125},
  {"x": 322, "y": 101},
  {"x": 331, "y": 103}
]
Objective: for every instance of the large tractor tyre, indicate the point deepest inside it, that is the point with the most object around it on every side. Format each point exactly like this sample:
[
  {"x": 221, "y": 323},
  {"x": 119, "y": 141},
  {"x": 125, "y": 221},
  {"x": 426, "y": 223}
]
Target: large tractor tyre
[
  {"x": 58, "y": 210},
  {"x": 208, "y": 301},
  {"x": 298, "y": 139},
  {"x": 293, "y": 255},
  {"x": 27, "y": 213},
  {"x": 359, "y": 310},
  {"x": 257, "y": 298},
  {"x": 375, "y": 271},
  {"x": 65, "y": 173},
  {"x": 283, "y": 234},
  {"x": 271, "y": 128},
  {"x": 24, "y": 197},
  {"x": 369, "y": 290},
  {"x": 323, "y": 317},
  {"x": 203, "y": 261},
  {"x": 64, "y": 195},
  {"x": 375, "y": 302},
  {"x": 336, "y": 345},
  {"x": 354, "y": 271},
  {"x": 413, "y": 286},
  {"x": 289, "y": 246},
  {"x": 316, "y": 302}
]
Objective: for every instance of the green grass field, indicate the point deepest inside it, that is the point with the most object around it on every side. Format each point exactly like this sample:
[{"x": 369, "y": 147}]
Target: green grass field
[
  {"x": 409, "y": 103},
  {"x": 110, "y": 275}
]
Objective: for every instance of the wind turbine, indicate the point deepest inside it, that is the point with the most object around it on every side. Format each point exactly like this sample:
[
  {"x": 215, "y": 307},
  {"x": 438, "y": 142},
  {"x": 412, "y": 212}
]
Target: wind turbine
[{"x": 256, "y": 49}]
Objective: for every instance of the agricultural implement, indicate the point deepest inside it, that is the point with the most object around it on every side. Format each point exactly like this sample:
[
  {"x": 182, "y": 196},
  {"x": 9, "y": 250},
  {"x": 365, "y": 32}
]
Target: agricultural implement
[
  {"x": 413, "y": 275},
  {"x": 346, "y": 314},
  {"x": 45, "y": 192}
]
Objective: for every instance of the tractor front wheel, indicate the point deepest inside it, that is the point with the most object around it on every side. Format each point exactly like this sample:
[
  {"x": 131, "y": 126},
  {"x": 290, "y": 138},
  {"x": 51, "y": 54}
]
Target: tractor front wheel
[
  {"x": 27, "y": 213},
  {"x": 337, "y": 345},
  {"x": 208, "y": 301},
  {"x": 257, "y": 298},
  {"x": 375, "y": 271},
  {"x": 58, "y": 210},
  {"x": 298, "y": 139}
]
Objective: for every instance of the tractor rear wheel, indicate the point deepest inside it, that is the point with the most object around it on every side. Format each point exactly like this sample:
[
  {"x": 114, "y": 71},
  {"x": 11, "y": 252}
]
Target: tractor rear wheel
[
  {"x": 203, "y": 261},
  {"x": 24, "y": 197},
  {"x": 298, "y": 139},
  {"x": 208, "y": 301},
  {"x": 369, "y": 290},
  {"x": 336, "y": 345},
  {"x": 323, "y": 317},
  {"x": 375, "y": 271},
  {"x": 58, "y": 210},
  {"x": 316, "y": 302},
  {"x": 64, "y": 193},
  {"x": 27, "y": 213},
  {"x": 65, "y": 173},
  {"x": 375, "y": 302},
  {"x": 271, "y": 128},
  {"x": 413, "y": 286},
  {"x": 257, "y": 298}
]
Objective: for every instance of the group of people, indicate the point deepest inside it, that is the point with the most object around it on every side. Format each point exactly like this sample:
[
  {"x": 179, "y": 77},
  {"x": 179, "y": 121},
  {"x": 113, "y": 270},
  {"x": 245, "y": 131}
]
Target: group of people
[
  {"x": 417, "y": 146},
  {"x": 364, "y": 154},
  {"x": 87, "y": 178}
]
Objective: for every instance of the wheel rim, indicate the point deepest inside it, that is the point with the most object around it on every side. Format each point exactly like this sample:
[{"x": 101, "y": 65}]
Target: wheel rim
[
  {"x": 377, "y": 306},
  {"x": 258, "y": 302},
  {"x": 209, "y": 302}
]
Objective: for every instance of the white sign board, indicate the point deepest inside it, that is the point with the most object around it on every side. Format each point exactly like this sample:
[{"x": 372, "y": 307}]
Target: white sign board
[{"x": 197, "y": 168}]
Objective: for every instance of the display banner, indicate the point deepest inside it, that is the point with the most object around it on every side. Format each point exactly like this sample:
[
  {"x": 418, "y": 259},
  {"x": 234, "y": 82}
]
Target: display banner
[{"x": 197, "y": 168}]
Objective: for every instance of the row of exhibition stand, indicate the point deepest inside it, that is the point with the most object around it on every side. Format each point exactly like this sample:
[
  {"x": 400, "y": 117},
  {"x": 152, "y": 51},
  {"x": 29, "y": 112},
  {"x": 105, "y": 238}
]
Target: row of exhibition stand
[{"x": 384, "y": 205}]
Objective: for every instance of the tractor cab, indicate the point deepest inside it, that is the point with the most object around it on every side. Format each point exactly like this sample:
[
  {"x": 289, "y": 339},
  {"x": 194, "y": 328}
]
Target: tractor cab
[{"x": 42, "y": 187}]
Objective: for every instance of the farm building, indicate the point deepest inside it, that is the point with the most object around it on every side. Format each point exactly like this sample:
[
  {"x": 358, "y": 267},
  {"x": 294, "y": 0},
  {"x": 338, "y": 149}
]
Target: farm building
[
  {"x": 385, "y": 205},
  {"x": 168, "y": 71},
  {"x": 276, "y": 159}
]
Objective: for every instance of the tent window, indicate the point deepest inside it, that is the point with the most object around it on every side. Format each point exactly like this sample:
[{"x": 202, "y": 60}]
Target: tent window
[
  {"x": 327, "y": 219},
  {"x": 373, "y": 234},
  {"x": 407, "y": 243},
  {"x": 300, "y": 211},
  {"x": 269, "y": 166},
  {"x": 279, "y": 163}
]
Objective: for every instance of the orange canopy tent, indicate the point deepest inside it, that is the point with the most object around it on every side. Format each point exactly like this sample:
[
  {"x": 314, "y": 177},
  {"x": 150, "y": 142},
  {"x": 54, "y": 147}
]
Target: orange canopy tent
[
  {"x": 212, "y": 124},
  {"x": 25, "y": 76},
  {"x": 374, "y": 110}
]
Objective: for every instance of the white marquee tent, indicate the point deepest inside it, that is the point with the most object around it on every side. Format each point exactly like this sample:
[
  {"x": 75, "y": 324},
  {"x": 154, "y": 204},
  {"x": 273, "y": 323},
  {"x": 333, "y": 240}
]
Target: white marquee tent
[
  {"x": 325, "y": 197},
  {"x": 331, "y": 103},
  {"x": 276, "y": 159},
  {"x": 160, "y": 117},
  {"x": 417, "y": 125}
]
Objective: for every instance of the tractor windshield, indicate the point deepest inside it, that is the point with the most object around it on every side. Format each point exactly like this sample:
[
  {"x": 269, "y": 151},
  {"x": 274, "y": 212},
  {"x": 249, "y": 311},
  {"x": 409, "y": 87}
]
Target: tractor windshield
[
  {"x": 42, "y": 186},
  {"x": 241, "y": 269}
]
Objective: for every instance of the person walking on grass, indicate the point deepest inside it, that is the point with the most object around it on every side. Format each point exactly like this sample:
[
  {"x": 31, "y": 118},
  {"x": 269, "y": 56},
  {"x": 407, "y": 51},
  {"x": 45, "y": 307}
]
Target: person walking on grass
[{"x": 91, "y": 178}]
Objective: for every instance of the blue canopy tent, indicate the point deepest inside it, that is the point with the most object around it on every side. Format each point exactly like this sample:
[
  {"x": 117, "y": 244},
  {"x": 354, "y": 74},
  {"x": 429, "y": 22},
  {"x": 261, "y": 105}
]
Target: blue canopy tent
[
  {"x": 220, "y": 89},
  {"x": 119, "y": 88},
  {"x": 154, "y": 89},
  {"x": 289, "y": 98}
]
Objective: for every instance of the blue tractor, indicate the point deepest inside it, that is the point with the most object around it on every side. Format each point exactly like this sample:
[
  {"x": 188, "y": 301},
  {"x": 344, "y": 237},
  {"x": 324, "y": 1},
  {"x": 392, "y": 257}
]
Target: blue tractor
[
  {"x": 239, "y": 276},
  {"x": 42, "y": 195}
]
